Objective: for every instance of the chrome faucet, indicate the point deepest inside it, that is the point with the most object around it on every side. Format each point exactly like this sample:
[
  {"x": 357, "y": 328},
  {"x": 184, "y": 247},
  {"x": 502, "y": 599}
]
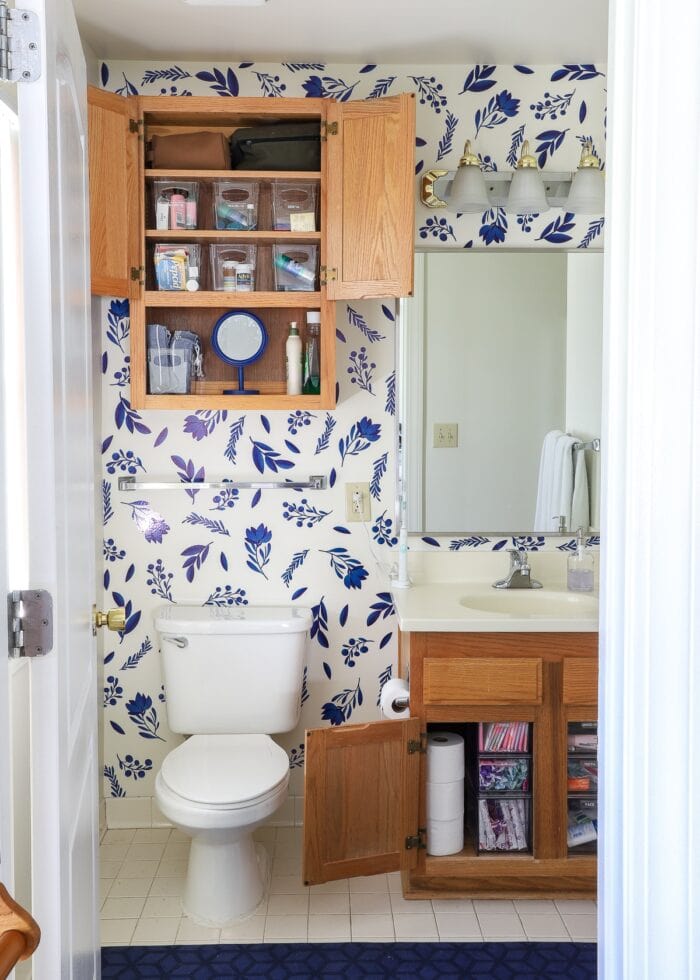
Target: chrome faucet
[{"x": 519, "y": 573}]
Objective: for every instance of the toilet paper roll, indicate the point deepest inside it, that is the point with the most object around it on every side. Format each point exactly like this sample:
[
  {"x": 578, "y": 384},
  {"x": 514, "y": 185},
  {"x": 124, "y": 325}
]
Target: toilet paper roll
[
  {"x": 445, "y": 836},
  {"x": 444, "y": 801},
  {"x": 445, "y": 758},
  {"x": 395, "y": 688}
]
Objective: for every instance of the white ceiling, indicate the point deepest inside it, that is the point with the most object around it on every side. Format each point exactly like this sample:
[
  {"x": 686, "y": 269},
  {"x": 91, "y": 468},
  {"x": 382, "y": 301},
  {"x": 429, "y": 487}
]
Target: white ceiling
[{"x": 355, "y": 31}]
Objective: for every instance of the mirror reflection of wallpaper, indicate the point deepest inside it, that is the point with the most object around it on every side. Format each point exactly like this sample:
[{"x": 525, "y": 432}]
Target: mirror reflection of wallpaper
[{"x": 233, "y": 547}]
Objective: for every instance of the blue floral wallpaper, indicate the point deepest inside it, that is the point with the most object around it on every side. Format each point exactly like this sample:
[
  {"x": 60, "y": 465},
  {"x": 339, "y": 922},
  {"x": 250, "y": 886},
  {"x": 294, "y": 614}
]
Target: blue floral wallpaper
[{"x": 236, "y": 547}]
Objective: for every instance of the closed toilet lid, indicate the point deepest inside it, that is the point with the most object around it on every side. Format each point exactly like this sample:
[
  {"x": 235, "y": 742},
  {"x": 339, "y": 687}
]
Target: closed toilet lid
[{"x": 222, "y": 770}]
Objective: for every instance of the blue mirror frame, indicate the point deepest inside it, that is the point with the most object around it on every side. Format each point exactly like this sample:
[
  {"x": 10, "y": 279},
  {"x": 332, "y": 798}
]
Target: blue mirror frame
[{"x": 240, "y": 364}]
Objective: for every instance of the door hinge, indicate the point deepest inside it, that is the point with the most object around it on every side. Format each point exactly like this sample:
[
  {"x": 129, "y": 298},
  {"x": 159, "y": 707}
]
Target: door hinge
[
  {"x": 418, "y": 745},
  {"x": 329, "y": 129},
  {"x": 19, "y": 45},
  {"x": 136, "y": 273},
  {"x": 418, "y": 841},
  {"x": 136, "y": 126},
  {"x": 30, "y": 623},
  {"x": 328, "y": 274}
]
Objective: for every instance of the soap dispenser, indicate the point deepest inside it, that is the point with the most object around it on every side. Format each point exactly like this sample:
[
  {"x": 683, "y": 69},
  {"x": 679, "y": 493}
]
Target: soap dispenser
[{"x": 579, "y": 567}]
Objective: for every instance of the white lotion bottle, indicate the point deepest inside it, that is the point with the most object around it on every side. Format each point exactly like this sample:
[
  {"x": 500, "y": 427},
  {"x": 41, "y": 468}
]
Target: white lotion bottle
[{"x": 293, "y": 352}]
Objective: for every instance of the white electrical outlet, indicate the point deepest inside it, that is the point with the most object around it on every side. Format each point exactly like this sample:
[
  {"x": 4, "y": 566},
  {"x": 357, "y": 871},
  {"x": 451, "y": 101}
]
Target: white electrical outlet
[
  {"x": 445, "y": 435},
  {"x": 357, "y": 502}
]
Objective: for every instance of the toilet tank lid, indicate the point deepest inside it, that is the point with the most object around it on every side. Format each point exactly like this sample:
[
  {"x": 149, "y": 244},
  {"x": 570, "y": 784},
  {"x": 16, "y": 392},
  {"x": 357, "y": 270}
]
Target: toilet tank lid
[{"x": 232, "y": 619}]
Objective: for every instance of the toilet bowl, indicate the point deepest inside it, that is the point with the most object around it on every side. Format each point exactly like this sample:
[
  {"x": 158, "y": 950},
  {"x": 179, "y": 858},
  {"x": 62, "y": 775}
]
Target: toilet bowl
[
  {"x": 218, "y": 789},
  {"x": 233, "y": 676}
]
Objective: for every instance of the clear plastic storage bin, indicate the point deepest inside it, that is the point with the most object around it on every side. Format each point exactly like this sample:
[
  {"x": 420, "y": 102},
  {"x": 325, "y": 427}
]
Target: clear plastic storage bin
[
  {"x": 295, "y": 267},
  {"x": 175, "y": 205},
  {"x": 223, "y": 260},
  {"x": 504, "y": 823},
  {"x": 177, "y": 266},
  {"x": 504, "y": 775},
  {"x": 236, "y": 205},
  {"x": 582, "y": 831},
  {"x": 169, "y": 371},
  {"x": 294, "y": 206}
]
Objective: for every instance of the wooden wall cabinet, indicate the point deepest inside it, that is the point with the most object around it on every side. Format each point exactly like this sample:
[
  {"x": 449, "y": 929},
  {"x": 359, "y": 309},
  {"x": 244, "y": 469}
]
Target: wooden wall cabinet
[
  {"x": 365, "y": 799},
  {"x": 364, "y": 238}
]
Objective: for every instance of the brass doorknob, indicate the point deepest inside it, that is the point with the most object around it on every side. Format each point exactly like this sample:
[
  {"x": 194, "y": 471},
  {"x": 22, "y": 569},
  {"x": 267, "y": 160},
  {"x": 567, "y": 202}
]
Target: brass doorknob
[{"x": 113, "y": 619}]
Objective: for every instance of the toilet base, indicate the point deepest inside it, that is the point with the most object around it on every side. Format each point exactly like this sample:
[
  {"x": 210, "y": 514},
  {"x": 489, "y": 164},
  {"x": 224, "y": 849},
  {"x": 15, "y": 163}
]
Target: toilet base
[{"x": 226, "y": 881}]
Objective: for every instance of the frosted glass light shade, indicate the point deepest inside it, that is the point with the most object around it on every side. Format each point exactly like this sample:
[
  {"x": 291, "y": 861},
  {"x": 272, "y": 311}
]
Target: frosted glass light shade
[
  {"x": 526, "y": 194},
  {"x": 468, "y": 193},
  {"x": 587, "y": 194}
]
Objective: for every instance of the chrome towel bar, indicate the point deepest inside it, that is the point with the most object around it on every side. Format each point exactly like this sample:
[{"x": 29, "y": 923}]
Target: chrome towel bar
[
  {"x": 594, "y": 444},
  {"x": 129, "y": 484}
]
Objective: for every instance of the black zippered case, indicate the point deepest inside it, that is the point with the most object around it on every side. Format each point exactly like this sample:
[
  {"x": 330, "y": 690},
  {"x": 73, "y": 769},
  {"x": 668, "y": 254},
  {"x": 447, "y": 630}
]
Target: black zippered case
[{"x": 288, "y": 146}]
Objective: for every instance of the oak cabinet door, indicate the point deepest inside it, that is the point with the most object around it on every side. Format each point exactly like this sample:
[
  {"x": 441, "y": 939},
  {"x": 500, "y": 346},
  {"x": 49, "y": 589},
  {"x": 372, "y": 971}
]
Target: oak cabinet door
[
  {"x": 114, "y": 193},
  {"x": 361, "y": 800},
  {"x": 370, "y": 198}
]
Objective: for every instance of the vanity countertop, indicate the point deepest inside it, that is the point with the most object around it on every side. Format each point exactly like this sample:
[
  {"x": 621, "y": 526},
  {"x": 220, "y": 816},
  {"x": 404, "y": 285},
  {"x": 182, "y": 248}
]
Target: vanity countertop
[{"x": 453, "y": 593}]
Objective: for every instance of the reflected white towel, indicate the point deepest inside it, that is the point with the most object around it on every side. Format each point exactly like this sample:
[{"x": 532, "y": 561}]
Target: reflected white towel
[
  {"x": 546, "y": 484},
  {"x": 564, "y": 481},
  {"x": 580, "y": 501}
]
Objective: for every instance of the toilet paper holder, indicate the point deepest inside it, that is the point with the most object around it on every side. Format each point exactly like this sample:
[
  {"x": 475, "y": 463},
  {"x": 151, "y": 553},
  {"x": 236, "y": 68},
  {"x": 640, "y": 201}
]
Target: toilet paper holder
[{"x": 400, "y": 703}]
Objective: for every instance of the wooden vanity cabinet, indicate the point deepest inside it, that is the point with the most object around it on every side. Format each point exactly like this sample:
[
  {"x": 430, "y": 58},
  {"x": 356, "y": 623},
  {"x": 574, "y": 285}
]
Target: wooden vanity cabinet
[
  {"x": 364, "y": 238},
  {"x": 365, "y": 801}
]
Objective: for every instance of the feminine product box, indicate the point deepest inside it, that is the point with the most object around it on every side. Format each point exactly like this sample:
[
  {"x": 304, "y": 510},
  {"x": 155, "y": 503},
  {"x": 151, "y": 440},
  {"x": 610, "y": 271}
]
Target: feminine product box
[
  {"x": 175, "y": 205},
  {"x": 236, "y": 205},
  {"x": 294, "y": 206},
  {"x": 295, "y": 267},
  {"x": 177, "y": 266}
]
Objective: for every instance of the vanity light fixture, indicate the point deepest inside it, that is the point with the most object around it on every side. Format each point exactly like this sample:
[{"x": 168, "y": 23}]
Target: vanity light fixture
[
  {"x": 526, "y": 194},
  {"x": 468, "y": 194},
  {"x": 587, "y": 194},
  {"x": 526, "y": 190}
]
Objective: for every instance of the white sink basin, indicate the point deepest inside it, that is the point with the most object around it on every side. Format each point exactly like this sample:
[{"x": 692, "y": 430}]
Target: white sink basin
[{"x": 534, "y": 604}]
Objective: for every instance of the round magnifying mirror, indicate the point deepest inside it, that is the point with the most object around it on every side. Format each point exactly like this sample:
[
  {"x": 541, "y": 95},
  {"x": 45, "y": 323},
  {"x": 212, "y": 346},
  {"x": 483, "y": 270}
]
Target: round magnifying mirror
[{"x": 239, "y": 338}]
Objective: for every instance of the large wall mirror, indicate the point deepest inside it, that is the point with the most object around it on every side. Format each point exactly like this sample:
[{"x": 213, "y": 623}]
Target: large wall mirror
[{"x": 496, "y": 350}]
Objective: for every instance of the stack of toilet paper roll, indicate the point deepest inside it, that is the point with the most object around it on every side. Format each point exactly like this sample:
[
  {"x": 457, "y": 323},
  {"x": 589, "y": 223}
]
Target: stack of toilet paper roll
[{"x": 445, "y": 793}]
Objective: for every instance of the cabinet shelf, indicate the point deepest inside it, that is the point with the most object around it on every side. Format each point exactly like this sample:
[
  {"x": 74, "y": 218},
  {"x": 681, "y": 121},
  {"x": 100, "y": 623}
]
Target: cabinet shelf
[
  {"x": 185, "y": 300},
  {"x": 254, "y": 237},
  {"x": 232, "y": 175}
]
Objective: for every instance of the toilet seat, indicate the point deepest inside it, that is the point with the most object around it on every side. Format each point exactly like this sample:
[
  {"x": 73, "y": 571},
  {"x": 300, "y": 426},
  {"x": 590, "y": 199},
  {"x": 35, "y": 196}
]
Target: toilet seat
[{"x": 226, "y": 771}]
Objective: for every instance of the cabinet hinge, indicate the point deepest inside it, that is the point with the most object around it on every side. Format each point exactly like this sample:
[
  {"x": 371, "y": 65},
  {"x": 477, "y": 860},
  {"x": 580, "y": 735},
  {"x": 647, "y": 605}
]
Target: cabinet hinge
[
  {"x": 418, "y": 745},
  {"x": 329, "y": 129},
  {"x": 30, "y": 623},
  {"x": 136, "y": 272},
  {"x": 136, "y": 126},
  {"x": 328, "y": 274},
  {"x": 417, "y": 841},
  {"x": 19, "y": 45}
]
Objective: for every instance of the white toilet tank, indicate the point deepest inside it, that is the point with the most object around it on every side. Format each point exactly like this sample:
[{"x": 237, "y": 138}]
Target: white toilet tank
[{"x": 232, "y": 670}]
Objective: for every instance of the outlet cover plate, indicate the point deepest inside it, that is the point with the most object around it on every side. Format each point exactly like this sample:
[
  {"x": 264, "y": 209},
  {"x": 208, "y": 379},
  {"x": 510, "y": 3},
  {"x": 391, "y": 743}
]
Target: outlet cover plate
[
  {"x": 357, "y": 502},
  {"x": 445, "y": 435}
]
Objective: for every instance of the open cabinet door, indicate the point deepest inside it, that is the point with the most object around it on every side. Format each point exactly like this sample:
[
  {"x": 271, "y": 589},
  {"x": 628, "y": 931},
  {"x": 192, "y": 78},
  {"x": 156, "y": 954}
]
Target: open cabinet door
[
  {"x": 114, "y": 194},
  {"x": 361, "y": 800},
  {"x": 371, "y": 196}
]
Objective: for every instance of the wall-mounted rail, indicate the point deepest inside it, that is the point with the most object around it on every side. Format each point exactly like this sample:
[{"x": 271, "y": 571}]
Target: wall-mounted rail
[{"x": 129, "y": 484}]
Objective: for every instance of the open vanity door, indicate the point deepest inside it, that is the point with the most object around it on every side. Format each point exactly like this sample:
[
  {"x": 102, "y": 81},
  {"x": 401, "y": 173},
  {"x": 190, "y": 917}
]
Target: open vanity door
[
  {"x": 361, "y": 800},
  {"x": 114, "y": 196},
  {"x": 370, "y": 219}
]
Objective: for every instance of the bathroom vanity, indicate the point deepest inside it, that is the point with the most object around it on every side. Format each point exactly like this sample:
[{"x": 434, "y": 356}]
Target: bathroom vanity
[{"x": 472, "y": 656}]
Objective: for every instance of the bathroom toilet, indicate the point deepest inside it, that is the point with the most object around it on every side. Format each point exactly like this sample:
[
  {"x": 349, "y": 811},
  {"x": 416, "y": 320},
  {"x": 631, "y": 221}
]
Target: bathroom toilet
[{"x": 232, "y": 678}]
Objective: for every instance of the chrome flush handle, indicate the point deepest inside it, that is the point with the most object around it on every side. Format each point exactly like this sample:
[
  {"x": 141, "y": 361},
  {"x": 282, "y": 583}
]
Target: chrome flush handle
[{"x": 179, "y": 641}]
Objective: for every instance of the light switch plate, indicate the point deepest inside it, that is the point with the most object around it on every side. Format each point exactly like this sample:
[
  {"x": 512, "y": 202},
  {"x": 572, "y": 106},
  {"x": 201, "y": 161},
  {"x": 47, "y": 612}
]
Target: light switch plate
[
  {"x": 357, "y": 502},
  {"x": 445, "y": 435}
]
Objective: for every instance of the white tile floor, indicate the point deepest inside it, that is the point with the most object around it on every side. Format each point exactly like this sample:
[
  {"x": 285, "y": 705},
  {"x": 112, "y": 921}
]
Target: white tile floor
[{"x": 143, "y": 875}]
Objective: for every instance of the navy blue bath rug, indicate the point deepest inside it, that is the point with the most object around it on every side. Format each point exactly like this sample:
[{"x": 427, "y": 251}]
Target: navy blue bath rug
[{"x": 301, "y": 961}]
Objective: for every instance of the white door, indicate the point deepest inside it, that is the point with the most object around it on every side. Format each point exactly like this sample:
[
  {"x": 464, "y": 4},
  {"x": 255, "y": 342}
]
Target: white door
[{"x": 60, "y": 452}]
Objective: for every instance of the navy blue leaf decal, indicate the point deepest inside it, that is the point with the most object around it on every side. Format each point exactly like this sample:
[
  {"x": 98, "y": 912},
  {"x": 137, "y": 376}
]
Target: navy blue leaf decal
[
  {"x": 431, "y": 541},
  {"x": 384, "y": 640},
  {"x": 194, "y": 556},
  {"x": 109, "y": 658},
  {"x": 298, "y": 593},
  {"x": 388, "y": 313},
  {"x": 340, "y": 529},
  {"x": 291, "y": 447},
  {"x": 500, "y": 544},
  {"x": 297, "y": 561},
  {"x": 257, "y": 496},
  {"x": 363, "y": 71},
  {"x": 445, "y": 144},
  {"x": 595, "y": 228},
  {"x": 117, "y": 728},
  {"x": 224, "y": 561},
  {"x": 343, "y": 617},
  {"x": 246, "y": 64},
  {"x": 381, "y": 87},
  {"x": 383, "y": 609},
  {"x": 524, "y": 70},
  {"x": 332, "y": 478},
  {"x": 104, "y": 74},
  {"x": 106, "y": 579},
  {"x": 327, "y": 670},
  {"x": 319, "y": 623},
  {"x": 265, "y": 423},
  {"x": 421, "y": 142},
  {"x": 161, "y": 437},
  {"x": 419, "y": 166},
  {"x": 265, "y": 456},
  {"x": 198, "y": 520},
  {"x": 576, "y": 73},
  {"x": 378, "y": 471},
  {"x": 582, "y": 111},
  {"x": 340, "y": 335},
  {"x": 222, "y": 85},
  {"x": 479, "y": 79},
  {"x": 118, "y": 599},
  {"x": 356, "y": 319},
  {"x": 107, "y": 443},
  {"x": 549, "y": 142},
  {"x": 556, "y": 231},
  {"x": 105, "y": 362},
  {"x": 130, "y": 573}
]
